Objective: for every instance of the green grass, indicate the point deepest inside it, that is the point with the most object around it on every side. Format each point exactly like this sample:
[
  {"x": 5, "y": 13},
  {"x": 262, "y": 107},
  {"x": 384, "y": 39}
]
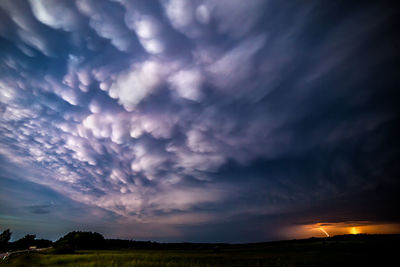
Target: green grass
[
  {"x": 137, "y": 258},
  {"x": 318, "y": 253}
]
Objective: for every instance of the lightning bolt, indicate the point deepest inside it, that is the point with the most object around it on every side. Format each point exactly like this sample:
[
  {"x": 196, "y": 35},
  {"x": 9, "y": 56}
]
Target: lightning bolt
[{"x": 323, "y": 230}]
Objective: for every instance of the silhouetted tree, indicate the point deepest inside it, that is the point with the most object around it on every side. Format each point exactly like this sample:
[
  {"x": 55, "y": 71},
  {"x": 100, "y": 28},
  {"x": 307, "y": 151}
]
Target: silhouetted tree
[
  {"x": 25, "y": 242},
  {"x": 4, "y": 238},
  {"x": 81, "y": 240}
]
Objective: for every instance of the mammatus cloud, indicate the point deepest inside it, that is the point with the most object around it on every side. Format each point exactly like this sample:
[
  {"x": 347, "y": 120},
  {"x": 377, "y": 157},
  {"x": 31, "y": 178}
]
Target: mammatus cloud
[
  {"x": 58, "y": 16},
  {"x": 172, "y": 114}
]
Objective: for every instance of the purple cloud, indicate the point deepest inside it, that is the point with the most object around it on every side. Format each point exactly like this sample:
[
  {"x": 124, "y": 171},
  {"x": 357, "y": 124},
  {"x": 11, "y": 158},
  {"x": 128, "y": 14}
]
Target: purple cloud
[{"x": 168, "y": 114}]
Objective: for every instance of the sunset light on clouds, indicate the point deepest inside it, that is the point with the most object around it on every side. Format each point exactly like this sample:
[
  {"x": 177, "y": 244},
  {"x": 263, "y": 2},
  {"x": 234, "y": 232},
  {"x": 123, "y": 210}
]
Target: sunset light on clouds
[
  {"x": 341, "y": 228},
  {"x": 202, "y": 121}
]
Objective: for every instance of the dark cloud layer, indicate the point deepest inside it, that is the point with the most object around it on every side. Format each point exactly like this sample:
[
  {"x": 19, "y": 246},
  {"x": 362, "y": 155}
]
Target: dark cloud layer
[{"x": 198, "y": 120}]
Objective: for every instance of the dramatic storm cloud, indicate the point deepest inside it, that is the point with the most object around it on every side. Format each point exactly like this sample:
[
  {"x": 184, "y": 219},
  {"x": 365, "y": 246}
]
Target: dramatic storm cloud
[{"x": 198, "y": 120}]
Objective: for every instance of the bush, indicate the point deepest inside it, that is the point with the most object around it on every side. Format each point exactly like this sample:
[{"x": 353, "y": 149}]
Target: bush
[
  {"x": 81, "y": 240},
  {"x": 24, "y": 243}
]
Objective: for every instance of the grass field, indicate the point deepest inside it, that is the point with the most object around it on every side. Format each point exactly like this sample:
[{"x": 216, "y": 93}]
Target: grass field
[{"x": 319, "y": 252}]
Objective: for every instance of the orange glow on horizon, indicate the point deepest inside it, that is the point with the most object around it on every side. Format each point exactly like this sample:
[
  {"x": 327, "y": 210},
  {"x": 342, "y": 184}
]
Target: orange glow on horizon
[
  {"x": 325, "y": 232},
  {"x": 354, "y": 231},
  {"x": 342, "y": 228}
]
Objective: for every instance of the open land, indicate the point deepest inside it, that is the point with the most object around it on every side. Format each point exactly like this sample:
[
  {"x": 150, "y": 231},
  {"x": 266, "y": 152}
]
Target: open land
[{"x": 360, "y": 250}]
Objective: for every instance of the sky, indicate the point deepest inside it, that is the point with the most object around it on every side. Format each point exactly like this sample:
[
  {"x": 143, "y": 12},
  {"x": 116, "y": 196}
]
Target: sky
[{"x": 200, "y": 121}]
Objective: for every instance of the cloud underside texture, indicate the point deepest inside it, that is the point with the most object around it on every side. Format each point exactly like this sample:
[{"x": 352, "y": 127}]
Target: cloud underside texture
[{"x": 198, "y": 118}]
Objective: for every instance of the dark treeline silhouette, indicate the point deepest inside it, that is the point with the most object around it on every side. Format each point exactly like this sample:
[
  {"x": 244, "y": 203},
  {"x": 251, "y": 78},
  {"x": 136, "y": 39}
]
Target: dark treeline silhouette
[
  {"x": 80, "y": 240},
  {"x": 345, "y": 250},
  {"x": 4, "y": 238},
  {"x": 120, "y": 244},
  {"x": 87, "y": 240},
  {"x": 24, "y": 243}
]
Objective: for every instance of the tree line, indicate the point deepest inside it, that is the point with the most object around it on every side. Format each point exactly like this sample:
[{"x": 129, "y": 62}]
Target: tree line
[
  {"x": 81, "y": 240},
  {"x": 23, "y": 243}
]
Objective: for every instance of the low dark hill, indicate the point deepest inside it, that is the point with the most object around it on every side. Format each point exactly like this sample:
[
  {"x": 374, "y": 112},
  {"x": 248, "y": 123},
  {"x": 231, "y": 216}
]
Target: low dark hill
[
  {"x": 390, "y": 240},
  {"x": 346, "y": 250},
  {"x": 87, "y": 240}
]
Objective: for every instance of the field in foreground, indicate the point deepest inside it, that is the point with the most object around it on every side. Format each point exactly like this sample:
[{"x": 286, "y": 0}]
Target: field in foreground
[{"x": 336, "y": 251}]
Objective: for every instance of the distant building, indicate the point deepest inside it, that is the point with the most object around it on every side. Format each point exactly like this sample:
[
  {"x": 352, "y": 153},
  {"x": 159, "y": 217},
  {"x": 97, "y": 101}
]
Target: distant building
[{"x": 32, "y": 247}]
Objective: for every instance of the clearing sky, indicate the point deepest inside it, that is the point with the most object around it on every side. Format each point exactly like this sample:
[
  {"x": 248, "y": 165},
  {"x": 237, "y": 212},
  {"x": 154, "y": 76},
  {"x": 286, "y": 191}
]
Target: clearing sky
[{"x": 201, "y": 121}]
